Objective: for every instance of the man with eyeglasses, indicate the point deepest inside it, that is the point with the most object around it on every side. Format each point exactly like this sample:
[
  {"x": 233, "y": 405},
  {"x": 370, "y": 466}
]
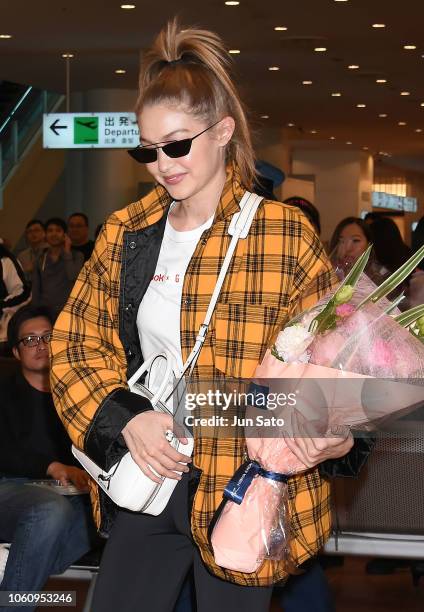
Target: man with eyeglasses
[{"x": 47, "y": 531}]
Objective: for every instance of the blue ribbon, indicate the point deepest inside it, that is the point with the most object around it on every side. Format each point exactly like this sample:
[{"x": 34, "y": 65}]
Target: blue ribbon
[{"x": 240, "y": 482}]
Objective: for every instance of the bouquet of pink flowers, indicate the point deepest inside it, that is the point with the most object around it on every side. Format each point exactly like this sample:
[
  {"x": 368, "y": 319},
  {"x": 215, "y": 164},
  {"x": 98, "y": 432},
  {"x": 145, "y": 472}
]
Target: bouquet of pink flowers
[{"x": 351, "y": 364}]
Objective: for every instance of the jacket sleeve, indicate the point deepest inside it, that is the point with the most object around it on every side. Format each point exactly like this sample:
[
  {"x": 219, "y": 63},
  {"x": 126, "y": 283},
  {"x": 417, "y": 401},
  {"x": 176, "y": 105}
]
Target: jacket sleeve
[
  {"x": 314, "y": 279},
  {"x": 351, "y": 464},
  {"x": 88, "y": 374},
  {"x": 314, "y": 276},
  {"x": 16, "y": 286}
]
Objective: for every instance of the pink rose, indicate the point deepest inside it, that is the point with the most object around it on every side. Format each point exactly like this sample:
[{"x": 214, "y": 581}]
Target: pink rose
[
  {"x": 345, "y": 310},
  {"x": 382, "y": 354}
]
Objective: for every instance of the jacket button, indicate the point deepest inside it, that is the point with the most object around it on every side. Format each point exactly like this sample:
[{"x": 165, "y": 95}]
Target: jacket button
[
  {"x": 129, "y": 306},
  {"x": 187, "y": 301},
  {"x": 129, "y": 353},
  {"x": 132, "y": 244}
]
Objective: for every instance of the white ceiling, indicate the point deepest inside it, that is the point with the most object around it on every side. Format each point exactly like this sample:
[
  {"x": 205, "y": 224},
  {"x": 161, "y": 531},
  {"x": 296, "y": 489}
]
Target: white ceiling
[{"x": 104, "y": 37}]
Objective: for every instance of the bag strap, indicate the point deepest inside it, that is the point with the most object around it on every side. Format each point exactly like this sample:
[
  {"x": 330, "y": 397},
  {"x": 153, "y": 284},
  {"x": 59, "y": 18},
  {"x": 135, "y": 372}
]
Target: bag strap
[{"x": 239, "y": 228}]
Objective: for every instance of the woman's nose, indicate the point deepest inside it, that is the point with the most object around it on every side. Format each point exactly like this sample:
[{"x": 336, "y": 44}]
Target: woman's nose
[{"x": 164, "y": 162}]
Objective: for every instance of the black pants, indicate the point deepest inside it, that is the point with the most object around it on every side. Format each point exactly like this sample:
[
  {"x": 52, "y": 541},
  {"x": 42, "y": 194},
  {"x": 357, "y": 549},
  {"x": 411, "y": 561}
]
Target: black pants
[{"x": 147, "y": 558}]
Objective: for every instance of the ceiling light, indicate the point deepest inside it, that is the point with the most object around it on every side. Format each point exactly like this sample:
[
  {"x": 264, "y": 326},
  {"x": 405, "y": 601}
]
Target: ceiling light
[
  {"x": 264, "y": 116},
  {"x": 67, "y": 55},
  {"x": 405, "y": 93},
  {"x": 401, "y": 122},
  {"x": 5, "y": 35},
  {"x": 409, "y": 47},
  {"x": 234, "y": 51},
  {"x": 340, "y": 0},
  {"x": 418, "y": 130},
  {"x": 382, "y": 115},
  {"x": 313, "y": 132},
  {"x": 332, "y": 138},
  {"x": 128, "y": 6},
  {"x": 422, "y": 104},
  {"x": 361, "y": 106},
  {"x": 348, "y": 142},
  {"x": 120, "y": 71},
  {"x": 280, "y": 28},
  {"x": 320, "y": 49},
  {"x": 232, "y": 3},
  {"x": 290, "y": 125},
  {"x": 273, "y": 68},
  {"x": 353, "y": 67},
  {"x": 365, "y": 148},
  {"x": 378, "y": 25},
  {"x": 381, "y": 81},
  {"x": 336, "y": 94},
  {"x": 306, "y": 82}
]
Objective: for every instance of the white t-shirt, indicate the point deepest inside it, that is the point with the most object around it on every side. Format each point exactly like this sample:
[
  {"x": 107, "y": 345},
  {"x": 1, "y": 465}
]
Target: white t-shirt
[{"x": 158, "y": 317}]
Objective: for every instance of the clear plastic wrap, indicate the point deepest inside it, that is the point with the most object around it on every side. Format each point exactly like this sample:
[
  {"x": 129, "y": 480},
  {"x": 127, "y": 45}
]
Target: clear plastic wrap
[
  {"x": 258, "y": 489},
  {"x": 336, "y": 349}
]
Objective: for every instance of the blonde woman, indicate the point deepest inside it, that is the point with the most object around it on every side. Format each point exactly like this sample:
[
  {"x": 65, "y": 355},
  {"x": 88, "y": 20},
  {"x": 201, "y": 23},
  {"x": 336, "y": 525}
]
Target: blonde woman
[{"x": 147, "y": 286}]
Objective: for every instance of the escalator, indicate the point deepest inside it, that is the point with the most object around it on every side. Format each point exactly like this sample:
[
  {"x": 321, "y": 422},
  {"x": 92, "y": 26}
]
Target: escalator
[{"x": 27, "y": 171}]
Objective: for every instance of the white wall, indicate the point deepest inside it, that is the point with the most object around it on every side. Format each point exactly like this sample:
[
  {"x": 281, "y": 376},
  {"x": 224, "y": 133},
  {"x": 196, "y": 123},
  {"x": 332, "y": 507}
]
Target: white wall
[
  {"x": 342, "y": 178},
  {"x": 301, "y": 188}
]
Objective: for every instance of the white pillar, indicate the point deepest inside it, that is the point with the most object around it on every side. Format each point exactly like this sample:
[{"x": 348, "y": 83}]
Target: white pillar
[{"x": 343, "y": 183}]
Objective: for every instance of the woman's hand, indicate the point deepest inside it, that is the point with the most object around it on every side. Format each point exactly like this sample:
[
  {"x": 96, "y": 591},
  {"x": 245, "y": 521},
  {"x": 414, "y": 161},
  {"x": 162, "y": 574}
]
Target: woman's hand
[
  {"x": 313, "y": 450},
  {"x": 145, "y": 438}
]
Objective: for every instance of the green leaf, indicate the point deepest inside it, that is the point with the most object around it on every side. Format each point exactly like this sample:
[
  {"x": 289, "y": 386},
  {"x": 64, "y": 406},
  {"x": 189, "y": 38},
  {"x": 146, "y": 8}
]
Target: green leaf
[
  {"x": 409, "y": 317},
  {"x": 275, "y": 354},
  {"x": 395, "y": 279},
  {"x": 357, "y": 269},
  {"x": 318, "y": 324}
]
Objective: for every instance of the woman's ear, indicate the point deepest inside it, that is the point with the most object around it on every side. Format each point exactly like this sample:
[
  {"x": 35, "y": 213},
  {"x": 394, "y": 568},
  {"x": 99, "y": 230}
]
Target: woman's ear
[{"x": 225, "y": 130}]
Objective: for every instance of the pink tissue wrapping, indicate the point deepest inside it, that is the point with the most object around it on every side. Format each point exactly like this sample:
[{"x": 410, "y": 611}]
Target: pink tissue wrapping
[{"x": 239, "y": 539}]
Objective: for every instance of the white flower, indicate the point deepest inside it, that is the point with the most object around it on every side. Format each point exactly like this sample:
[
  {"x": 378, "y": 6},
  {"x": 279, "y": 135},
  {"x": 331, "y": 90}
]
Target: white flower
[{"x": 292, "y": 342}]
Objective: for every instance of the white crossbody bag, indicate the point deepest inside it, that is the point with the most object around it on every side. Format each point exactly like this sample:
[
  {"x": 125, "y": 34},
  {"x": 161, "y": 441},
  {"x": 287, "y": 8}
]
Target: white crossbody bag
[{"x": 125, "y": 483}]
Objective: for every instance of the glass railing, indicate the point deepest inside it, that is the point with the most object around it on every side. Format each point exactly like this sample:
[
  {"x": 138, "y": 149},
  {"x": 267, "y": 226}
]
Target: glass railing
[{"x": 21, "y": 128}]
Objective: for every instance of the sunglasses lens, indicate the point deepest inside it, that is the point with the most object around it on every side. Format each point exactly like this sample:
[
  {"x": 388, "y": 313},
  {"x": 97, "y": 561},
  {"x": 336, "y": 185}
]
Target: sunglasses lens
[
  {"x": 179, "y": 148},
  {"x": 143, "y": 156}
]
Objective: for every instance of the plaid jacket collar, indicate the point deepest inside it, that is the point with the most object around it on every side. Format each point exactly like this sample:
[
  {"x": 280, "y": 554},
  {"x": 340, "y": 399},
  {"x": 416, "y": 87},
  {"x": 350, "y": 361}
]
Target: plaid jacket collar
[{"x": 150, "y": 209}]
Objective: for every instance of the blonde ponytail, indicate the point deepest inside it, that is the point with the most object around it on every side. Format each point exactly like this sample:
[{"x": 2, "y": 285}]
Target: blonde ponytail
[{"x": 192, "y": 67}]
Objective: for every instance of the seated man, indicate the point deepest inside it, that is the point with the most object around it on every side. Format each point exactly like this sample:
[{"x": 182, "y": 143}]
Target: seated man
[{"x": 47, "y": 531}]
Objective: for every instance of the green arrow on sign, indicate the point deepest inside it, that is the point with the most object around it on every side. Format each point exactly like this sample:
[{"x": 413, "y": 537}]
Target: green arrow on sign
[{"x": 86, "y": 130}]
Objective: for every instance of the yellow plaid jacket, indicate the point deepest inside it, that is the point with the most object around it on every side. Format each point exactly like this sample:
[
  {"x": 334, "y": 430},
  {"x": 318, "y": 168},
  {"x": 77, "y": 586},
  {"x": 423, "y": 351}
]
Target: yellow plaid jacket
[{"x": 95, "y": 345}]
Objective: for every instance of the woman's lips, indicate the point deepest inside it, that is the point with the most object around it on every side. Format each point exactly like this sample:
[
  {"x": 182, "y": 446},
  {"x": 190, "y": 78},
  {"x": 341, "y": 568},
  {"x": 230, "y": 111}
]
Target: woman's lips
[{"x": 174, "y": 178}]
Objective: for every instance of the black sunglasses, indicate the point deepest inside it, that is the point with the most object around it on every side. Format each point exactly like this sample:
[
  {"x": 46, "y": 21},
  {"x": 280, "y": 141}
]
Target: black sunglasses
[{"x": 177, "y": 148}]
